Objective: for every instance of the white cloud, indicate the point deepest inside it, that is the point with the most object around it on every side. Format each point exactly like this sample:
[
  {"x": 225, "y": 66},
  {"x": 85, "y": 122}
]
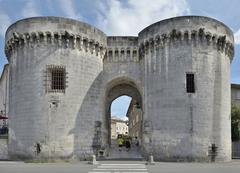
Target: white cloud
[
  {"x": 68, "y": 8},
  {"x": 117, "y": 18},
  {"x": 5, "y": 23},
  {"x": 30, "y": 9},
  {"x": 237, "y": 37}
]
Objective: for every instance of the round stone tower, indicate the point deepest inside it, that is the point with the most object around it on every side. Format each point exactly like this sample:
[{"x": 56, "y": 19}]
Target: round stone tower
[
  {"x": 54, "y": 64},
  {"x": 187, "y": 89}
]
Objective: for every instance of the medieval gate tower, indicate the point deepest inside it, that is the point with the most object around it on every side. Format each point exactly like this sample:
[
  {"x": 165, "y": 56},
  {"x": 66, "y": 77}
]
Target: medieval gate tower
[{"x": 64, "y": 74}]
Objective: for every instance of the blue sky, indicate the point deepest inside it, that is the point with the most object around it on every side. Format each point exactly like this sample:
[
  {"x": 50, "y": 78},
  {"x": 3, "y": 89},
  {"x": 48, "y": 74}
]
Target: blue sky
[{"x": 123, "y": 17}]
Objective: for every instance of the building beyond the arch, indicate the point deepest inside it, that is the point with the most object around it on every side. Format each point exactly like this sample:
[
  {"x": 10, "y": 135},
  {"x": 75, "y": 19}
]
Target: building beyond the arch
[{"x": 64, "y": 74}]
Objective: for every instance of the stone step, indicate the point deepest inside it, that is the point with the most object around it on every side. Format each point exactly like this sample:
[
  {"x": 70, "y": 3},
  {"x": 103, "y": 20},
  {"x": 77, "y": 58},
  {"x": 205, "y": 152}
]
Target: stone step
[{"x": 123, "y": 153}]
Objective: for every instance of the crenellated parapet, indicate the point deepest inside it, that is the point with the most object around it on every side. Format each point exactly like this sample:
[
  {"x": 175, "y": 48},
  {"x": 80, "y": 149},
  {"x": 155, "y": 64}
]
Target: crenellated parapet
[
  {"x": 62, "y": 39},
  {"x": 122, "y": 49},
  {"x": 122, "y": 54},
  {"x": 195, "y": 37}
]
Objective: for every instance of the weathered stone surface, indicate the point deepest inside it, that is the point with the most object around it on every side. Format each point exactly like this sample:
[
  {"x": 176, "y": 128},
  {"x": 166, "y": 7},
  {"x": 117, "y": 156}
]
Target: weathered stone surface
[
  {"x": 150, "y": 68},
  {"x": 4, "y": 149},
  {"x": 185, "y": 125}
]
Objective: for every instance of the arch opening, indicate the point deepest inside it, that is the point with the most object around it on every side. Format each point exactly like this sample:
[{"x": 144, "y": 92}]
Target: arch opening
[
  {"x": 119, "y": 118},
  {"x": 124, "y": 117}
]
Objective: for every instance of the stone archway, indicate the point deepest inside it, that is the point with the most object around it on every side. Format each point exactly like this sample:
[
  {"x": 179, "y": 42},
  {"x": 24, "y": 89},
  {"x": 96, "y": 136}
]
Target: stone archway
[{"x": 115, "y": 89}]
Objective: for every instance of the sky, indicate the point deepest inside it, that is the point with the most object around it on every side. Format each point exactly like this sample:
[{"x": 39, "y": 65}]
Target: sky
[{"x": 123, "y": 17}]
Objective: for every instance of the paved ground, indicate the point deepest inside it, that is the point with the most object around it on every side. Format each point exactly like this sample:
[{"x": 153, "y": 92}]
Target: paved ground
[
  {"x": 124, "y": 153},
  {"x": 120, "y": 167}
]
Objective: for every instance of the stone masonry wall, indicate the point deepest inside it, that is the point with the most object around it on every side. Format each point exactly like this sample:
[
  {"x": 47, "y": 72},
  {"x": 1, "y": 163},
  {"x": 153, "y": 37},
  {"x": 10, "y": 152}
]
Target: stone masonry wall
[
  {"x": 151, "y": 68},
  {"x": 61, "y": 122},
  {"x": 4, "y": 149},
  {"x": 180, "y": 125},
  {"x": 121, "y": 75}
]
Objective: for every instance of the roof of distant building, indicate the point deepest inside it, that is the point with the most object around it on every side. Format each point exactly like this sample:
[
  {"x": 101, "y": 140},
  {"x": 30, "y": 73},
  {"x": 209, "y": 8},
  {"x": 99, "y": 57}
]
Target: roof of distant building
[
  {"x": 237, "y": 86},
  {"x": 117, "y": 119}
]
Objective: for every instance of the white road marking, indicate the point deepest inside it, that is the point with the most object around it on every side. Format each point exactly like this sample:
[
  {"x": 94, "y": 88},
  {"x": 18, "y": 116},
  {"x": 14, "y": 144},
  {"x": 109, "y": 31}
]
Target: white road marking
[
  {"x": 99, "y": 172},
  {"x": 124, "y": 164},
  {"x": 120, "y": 168},
  {"x": 130, "y": 172},
  {"x": 118, "y": 172}
]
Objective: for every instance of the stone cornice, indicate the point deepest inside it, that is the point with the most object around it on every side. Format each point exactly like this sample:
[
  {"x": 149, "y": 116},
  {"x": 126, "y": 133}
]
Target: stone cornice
[
  {"x": 64, "y": 39},
  {"x": 198, "y": 36}
]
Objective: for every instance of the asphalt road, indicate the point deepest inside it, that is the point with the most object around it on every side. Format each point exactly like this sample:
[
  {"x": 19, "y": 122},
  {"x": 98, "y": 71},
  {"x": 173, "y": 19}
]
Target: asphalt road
[{"x": 120, "y": 167}]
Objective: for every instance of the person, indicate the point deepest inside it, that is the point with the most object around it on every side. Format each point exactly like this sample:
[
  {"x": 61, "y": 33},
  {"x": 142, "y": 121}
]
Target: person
[
  {"x": 128, "y": 144},
  {"x": 120, "y": 143},
  {"x": 136, "y": 141},
  {"x": 37, "y": 148}
]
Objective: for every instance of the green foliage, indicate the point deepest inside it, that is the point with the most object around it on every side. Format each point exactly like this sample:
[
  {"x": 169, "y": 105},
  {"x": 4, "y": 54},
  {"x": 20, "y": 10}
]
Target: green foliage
[{"x": 235, "y": 123}]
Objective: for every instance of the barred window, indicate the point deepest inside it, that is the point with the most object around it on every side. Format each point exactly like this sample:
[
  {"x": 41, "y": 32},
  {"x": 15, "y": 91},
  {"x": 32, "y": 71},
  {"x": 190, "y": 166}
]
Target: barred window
[
  {"x": 56, "y": 78},
  {"x": 190, "y": 85}
]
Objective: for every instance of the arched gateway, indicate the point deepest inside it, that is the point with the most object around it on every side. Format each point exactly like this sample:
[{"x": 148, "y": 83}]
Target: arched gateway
[{"x": 64, "y": 74}]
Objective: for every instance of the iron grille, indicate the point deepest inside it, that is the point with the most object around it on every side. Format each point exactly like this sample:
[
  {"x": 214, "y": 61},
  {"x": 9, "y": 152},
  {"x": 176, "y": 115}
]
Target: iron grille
[{"x": 56, "y": 78}]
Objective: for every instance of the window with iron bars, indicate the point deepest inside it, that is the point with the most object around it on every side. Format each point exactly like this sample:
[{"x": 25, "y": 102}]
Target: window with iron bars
[{"x": 56, "y": 78}]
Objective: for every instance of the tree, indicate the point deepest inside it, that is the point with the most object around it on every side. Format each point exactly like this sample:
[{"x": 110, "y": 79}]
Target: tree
[{"x": 235, "y": 122}]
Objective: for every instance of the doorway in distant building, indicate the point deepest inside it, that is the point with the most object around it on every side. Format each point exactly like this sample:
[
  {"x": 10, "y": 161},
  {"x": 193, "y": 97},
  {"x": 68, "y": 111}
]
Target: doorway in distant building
[{"x": 125, "y": 120}]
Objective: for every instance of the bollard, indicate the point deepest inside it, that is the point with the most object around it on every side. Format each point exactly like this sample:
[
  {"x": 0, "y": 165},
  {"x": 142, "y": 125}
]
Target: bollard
[
  {"x": 151, "y": 160},
  {"x": 94, "y": 161}
]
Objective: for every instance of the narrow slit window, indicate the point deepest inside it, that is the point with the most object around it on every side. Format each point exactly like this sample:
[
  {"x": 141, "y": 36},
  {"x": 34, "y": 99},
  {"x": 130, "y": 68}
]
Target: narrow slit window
[
  {"x": 116, "y": 53},
  {"x": 128, "y": 53},
  {"x": 190, "y": 84},
  {"x": 110, "y": 54}
]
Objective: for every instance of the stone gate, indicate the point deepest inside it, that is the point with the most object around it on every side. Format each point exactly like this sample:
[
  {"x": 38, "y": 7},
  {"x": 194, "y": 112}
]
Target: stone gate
[{"x": 64, "y": 74}]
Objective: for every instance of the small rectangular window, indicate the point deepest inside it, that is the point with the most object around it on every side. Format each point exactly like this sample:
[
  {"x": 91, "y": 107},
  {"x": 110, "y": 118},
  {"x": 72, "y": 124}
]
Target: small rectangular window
[
  {"x": 122, "y": 53},
  {"x": 56, "y": 78},
  {"x": 190, "y": 85}
]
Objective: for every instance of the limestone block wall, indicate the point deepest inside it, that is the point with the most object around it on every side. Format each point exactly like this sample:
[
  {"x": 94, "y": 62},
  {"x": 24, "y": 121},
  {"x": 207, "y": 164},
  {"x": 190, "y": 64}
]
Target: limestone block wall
[
  {"x": 177, "y": 124},
  {"x": 4, "y": 149},
  {"x": 62, "y": 122},
  {"x": 4, "y": 91},
  {"x": 151, "y": 68},
  {"x": 135, "y": 121},
  {"x": 122, "y": 74},
  {"x": 122, "y": 58}
]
